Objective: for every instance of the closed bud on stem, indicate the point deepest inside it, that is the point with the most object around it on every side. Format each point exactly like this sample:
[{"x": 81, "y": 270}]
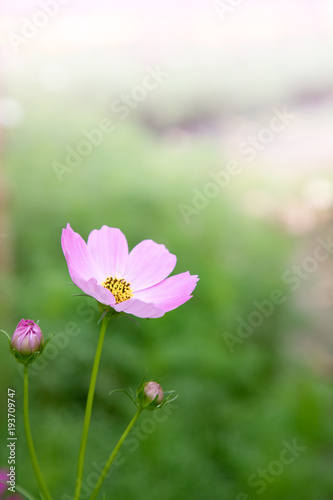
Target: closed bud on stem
[
  {"x": 27, "y": 341},
  {"x": 153, "y": 392},
  {"x": 149, "y": 395}
]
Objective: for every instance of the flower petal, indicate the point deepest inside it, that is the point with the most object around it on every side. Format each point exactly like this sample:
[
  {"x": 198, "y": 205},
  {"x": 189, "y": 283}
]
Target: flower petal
[
  {"x": 170, "y": 293},
  {"x": 139, "y": 308},
  {"x": 109, "y": 250},
  {"x": 148, "y": 264},
  {"x": 79, "y": 262},
  {"x": 94, "y": 289}
]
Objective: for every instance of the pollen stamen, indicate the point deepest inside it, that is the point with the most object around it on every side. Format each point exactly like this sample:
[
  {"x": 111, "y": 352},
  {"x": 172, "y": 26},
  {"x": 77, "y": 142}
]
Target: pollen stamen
[{"x": 120, "y": 288}]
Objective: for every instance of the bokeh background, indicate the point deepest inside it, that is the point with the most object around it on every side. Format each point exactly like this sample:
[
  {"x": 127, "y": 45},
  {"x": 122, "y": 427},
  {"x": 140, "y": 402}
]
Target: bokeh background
[{"x": 223, "y": 70}]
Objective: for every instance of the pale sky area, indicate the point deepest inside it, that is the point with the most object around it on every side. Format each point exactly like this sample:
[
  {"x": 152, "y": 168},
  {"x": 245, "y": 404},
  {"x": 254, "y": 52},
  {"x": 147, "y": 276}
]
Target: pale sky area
[
  {"x": 200, "y": 21},
  {"x": 249, "y": 55}
]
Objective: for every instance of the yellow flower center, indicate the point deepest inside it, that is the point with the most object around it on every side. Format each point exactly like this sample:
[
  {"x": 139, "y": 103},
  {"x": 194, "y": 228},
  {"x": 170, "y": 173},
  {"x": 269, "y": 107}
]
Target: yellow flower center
[{"x": 120, "y": 289}]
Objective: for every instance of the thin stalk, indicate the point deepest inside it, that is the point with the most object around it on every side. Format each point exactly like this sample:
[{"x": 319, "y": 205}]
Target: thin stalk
[
  {"x": 113, "y": 455},
  {"x": 42, "y": 486},
  {"x": 87, "y": 416}
]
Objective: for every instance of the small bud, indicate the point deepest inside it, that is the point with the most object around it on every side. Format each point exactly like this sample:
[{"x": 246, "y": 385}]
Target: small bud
[
  {"x": 27, "y": 340},
  {"x": 149, "y": 395},
  {"x": 153, "y": 392}
]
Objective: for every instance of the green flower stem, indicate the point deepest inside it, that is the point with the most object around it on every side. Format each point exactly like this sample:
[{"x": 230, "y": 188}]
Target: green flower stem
[
  {"x": 42, "y": 486},
  {"x": 87, "y": 416},
  {"x": 113, "y": 455}
]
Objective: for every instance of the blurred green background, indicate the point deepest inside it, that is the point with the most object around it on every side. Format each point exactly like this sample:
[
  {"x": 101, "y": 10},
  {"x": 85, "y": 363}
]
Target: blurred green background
[{"x": 239, "y": 407}]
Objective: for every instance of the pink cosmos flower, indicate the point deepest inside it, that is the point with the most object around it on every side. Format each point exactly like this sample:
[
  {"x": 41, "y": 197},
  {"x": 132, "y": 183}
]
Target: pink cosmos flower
[{"x": 135, "y": 282}]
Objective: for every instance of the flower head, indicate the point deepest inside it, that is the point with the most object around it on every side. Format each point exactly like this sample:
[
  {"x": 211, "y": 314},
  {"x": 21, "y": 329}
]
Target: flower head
[
  {"x": 153, "y": 392},
  {"x": 135, "y": 282},
  {"x": 150, "y": 396},
  {"x": 27, "y": 338}
]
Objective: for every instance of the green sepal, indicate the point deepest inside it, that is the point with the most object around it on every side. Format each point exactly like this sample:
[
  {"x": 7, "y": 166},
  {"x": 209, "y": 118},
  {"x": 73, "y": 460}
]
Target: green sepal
[
  {"x": 125, "y": 392},
  {"x": 8, "y": 337},
  {"x": 27, "y": 359},
  {"x": 106, "y": 310}
]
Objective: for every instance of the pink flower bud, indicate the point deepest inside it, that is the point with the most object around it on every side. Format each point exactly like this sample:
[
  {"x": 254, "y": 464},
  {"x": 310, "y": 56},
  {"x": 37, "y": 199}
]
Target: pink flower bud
[
  {"x": 151, "y": 390},
  {"x": 27, "y": 338}
]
